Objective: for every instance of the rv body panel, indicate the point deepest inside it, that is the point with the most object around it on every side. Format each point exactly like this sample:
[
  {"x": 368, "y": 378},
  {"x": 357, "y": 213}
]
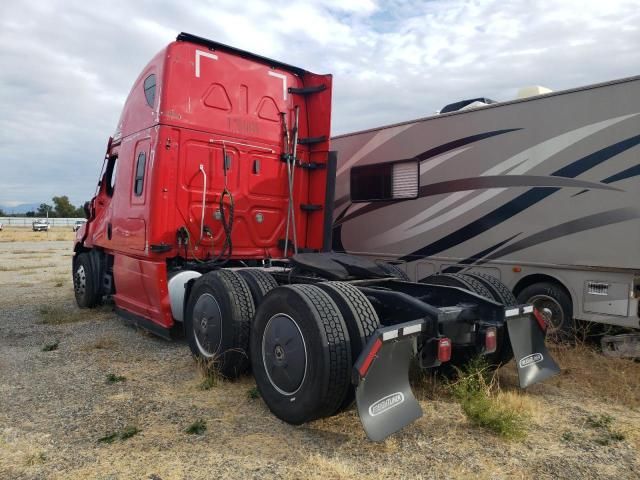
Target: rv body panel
[{"x": 547, "y": 183}]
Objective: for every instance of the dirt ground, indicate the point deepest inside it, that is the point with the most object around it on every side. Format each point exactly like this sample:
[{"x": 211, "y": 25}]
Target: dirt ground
[{"x": 101, "y": 379}]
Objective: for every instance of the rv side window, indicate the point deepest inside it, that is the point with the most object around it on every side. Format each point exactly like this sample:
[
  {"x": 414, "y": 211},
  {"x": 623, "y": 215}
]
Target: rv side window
[
  {"x": 138, "y": 185},
  {"x": 150, "y": 89},
  {"x": 385, "y": 181},
  {"x": 110, "y": 175}
]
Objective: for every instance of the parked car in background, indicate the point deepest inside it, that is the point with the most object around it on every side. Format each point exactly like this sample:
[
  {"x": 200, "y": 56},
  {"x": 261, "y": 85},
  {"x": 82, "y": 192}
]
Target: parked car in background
[
  {"x": 40, "y": 225},
  {"x": 78, "y": 224}
]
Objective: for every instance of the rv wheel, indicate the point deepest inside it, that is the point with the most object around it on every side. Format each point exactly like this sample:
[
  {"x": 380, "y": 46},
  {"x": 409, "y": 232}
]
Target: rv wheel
[
  {"x": 300, "y": 353},
  {"x": 361, "y": 319},
  {"x": 84, "y": 284},
  {"x": 218, "y": 319},
  {"x": 556, "y": 305}
]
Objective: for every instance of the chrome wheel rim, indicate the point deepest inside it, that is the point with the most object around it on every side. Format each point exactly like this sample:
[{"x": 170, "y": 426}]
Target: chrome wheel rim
[
  {"x": 551, "y": 311},
  {"x": 80, "y": 284}
]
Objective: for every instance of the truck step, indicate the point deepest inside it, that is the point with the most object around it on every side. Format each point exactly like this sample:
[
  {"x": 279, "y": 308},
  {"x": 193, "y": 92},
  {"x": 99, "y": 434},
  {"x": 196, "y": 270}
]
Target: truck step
[{"x": 312, "y": 140}]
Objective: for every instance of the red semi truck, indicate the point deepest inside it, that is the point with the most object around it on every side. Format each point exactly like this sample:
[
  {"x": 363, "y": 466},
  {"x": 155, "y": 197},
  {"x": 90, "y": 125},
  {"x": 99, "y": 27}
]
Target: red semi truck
[{"x": 212, "y": 218}]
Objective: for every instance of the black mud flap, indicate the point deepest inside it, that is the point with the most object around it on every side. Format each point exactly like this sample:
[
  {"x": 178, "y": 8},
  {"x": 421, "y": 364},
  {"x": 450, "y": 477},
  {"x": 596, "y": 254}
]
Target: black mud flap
[
  {"x": 533, "y": 360},
  {"x": 381, "y": 375}
]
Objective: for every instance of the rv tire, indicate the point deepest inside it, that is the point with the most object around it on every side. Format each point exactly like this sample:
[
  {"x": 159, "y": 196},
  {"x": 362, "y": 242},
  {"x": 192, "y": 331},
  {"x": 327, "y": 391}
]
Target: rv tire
[
  {"x": 547, "y": 295},
  {"x": 394, "y": 270}
]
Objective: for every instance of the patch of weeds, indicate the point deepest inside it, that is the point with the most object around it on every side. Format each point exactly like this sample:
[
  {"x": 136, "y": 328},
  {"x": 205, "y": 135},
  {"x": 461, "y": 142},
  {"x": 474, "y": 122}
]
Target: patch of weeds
[
  {"x": 104, "y": 343},
  {"x": 108, "y": 438},
  {"x": 123, "y": 434},
  {"x": 129, "y": 432},
  {"x": 59, "y": 281},
  {"x": 197, "y": 428},
  {"x": 113, "y": 378},
  {"x": 599, "y": 421},
  {"x": 50, "y": 347},
  {"x": 210, "y": 374},
  {"x": 474, "y": 389},
  {"x": 253, "y": 393},
  {"x": 57, "y": 315},
  {"x": 604, "y": 424},
  {"x": 35, "y": 459},
  {"x": 568, "y": 437}
]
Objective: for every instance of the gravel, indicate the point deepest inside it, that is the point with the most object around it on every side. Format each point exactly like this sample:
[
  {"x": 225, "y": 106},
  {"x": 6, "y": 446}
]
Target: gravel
[{"x": 55, "y": 406}]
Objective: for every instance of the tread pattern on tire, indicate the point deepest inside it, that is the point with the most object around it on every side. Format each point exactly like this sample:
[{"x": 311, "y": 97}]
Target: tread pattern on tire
[
  {"x": 505, "y": 295},
  {"x": 365, "y": 313},
  {"x": 263, "y": 280},
  {"x": 459, "y": 280},
  {"x": 338, "y": 345},
  {"x": 361, "y": 319},
  {"x": 394, "y": 270},
  {"x": 241, "y": 297}
]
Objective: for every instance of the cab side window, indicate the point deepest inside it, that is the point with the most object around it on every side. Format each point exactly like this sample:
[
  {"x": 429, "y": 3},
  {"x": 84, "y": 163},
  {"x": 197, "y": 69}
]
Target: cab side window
[
  {"x": 150, "y": 89},
  {"x": 110, "y": 175},
  {"x": 138, "y": 184}
]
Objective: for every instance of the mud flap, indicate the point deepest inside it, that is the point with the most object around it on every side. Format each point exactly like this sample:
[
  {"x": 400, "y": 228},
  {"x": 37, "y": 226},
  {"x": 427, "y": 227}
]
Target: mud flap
[
  {"x": 533, "y": 360},
  {"x": 384, "y": 397}
]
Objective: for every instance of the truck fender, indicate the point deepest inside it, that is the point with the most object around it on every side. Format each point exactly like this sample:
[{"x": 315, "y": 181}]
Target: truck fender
[{"x": 178, "y": 284}]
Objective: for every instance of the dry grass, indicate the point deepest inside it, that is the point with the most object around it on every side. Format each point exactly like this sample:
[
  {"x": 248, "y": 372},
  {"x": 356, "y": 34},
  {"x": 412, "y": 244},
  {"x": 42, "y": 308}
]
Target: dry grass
[
  {"x": 102, "y": 343},
  {"x": 57, "y": 315},
  {"x": 586, "y": 370},
  {"x": 25, "y": 234}
]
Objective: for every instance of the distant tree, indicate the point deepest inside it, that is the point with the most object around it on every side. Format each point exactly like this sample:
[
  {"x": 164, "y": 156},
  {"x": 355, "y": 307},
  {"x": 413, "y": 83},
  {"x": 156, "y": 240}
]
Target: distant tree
[
  {"x": 64, "y": 208},
  {"x": 2, "y": 214},
  {"x": 79, "y": 212},
  {"x": 44, "y": 208},
  {"x": 30, "y": 213}
]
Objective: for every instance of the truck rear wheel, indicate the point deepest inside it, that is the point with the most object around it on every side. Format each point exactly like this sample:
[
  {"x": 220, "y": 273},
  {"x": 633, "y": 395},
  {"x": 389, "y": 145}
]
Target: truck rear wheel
[
  {"x": 360, "y": 317},
  {"x": 260, "y": 283},
  {"x": 218, "y": 320},
  {"x": 84, "y": 282},
  {"x": 300, "y": 353},
  {"x": 556, "y": 305}
]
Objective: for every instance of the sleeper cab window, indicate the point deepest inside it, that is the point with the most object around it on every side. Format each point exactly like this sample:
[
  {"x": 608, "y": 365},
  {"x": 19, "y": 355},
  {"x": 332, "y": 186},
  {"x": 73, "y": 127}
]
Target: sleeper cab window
[
  {"x": 150, "y": 89},
  {"x": 138, "y": 185}
]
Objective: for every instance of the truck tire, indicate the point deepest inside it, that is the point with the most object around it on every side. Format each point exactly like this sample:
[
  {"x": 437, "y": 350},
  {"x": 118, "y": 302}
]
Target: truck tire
[
  {"x": 260, "y": 283},
  {"x": 503, "y": 295},
  {"x": 300, "y": 353},
  {"x": 218, "y": 319},
  {"x": 360, "y": 317},
  {"x": 394, "y": 270},
  {"x": 460, "y": 281},
  {"x": 499, "y": 290},
  {"x": 84, "y": 282},
  {"x": 543, "y": 295}
]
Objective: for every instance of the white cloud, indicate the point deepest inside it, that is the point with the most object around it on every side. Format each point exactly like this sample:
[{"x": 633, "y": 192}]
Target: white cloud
[{"x": 68, "y": 66}]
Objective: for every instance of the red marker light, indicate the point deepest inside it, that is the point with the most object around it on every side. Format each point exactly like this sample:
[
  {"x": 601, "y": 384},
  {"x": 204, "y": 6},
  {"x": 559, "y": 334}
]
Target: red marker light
[
  {"x": 444, "y": 350},
  {"x": 490, "y": 340},
  {"x": 369, "y": 358}
]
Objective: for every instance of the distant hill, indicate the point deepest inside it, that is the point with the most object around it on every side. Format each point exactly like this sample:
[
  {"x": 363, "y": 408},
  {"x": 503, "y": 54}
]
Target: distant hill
[{"x": 20, "y": 209}]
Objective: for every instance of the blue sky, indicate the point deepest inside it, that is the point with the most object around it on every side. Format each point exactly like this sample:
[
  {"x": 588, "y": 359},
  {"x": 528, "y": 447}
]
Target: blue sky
[{"x": 67, "y": 66}]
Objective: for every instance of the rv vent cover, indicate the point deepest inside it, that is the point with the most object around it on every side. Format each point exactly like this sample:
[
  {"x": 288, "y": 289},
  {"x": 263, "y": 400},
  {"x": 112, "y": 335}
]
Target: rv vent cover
[
  {"x": 597, "y": 288},
  {"x": 405, "y": 180}
]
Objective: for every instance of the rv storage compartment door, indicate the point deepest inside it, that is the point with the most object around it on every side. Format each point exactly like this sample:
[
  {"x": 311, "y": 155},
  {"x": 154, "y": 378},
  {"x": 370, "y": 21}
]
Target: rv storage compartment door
[{"x": 398, "y": 180}]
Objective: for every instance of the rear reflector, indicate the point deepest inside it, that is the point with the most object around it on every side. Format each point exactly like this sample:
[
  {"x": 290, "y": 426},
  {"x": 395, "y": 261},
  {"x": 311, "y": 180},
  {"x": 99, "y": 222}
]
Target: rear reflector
[
  {"x": 375, "y": 348},
  {"x": 490, "y": 340},
  {"x": 444, "y": 350},
  {"x": 540, "y": 318}
]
